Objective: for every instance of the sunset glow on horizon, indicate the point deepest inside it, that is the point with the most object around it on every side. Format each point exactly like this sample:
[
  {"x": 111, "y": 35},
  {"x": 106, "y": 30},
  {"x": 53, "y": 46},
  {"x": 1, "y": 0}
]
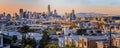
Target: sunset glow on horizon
[{"x": 62, "y": 6}]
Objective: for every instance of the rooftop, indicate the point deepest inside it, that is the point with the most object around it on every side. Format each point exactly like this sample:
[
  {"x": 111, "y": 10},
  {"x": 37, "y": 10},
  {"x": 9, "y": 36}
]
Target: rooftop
[{"x": 94, "y": 37}]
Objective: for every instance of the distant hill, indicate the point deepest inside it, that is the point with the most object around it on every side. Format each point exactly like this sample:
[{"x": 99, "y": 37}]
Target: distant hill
[
  {"x": 116, "y": 18},
  {"x": 91, "y": 15}
]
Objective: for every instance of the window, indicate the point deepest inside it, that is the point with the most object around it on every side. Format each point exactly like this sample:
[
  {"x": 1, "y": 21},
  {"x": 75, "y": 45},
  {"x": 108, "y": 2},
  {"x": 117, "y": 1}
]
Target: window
[
  {"x": 85, "y": 43},
  {"x": 117, "y": 44},
  {"x": 79, "y": 41}
]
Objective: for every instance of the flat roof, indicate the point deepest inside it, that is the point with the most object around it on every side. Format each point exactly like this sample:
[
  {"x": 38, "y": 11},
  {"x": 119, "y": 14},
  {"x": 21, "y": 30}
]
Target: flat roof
[{"x": 95, "y": 37}]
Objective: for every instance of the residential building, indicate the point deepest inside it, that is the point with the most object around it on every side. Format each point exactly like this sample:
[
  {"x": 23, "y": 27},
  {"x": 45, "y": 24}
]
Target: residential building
[
  {"x": 90, "y": 41},
  {"x": 116, "y": 42},
  {"x": 61, "y": 41},
  {"x": 102, "y": 44},
  {"x": 72, "y": 40}
]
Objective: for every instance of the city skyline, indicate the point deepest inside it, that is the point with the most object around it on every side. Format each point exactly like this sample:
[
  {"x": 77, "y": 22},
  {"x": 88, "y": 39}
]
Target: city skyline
[{"x": 62, "y": 6}]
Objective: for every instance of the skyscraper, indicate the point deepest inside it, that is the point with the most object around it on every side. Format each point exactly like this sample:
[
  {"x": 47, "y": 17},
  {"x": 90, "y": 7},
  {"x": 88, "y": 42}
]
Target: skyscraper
[
  {"x": 55, "y": 13},
  {"x": 73, "y": 12},
  {"x": 72, "y": 15},
  {"x": 21, "y": 13},
  {"x": 8, "y": 17},
  {"x": 17, "y": 16},
  {"x": 49, "y": 10},
  {"x": 4, "y": 14}
]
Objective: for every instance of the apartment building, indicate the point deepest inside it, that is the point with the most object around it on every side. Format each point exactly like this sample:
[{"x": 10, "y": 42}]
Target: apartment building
[
  {"x": 102, "y": 44},
  {"x": 61, "y": 41},
  {"x": 72, "y": 40},
  {"x": 90, "y": 41},
  {"x": 116, "y": 42}
]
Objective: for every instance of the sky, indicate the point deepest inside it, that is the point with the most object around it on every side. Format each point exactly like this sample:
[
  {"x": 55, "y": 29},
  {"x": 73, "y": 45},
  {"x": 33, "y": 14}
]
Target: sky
[{"x": 62, "y": 6}]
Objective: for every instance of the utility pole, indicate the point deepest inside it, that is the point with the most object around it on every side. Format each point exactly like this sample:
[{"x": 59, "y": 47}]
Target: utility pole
[
  {"x": 110, "y": 46},
  {"x": 110, "y": 38}
]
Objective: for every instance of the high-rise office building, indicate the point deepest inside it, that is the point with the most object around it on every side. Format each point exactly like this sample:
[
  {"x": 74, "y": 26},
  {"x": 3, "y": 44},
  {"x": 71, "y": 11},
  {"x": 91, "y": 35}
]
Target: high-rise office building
[
  {"x": 4, "y": 14},
  {"x": 49, "y": 10},
  {"x": 30, "y": 15},
  {"x": 55, "y": 13},
  {"x": 17, "y": 16},
  {"x": 8, "y": 17},
  {"x": 25, "y": 14},
  {"x": 73, "y": 11},
  {"x": 21, "y": 13},
  {"x": 65, "y": 15},
  {"x": 72, "y": 15}
]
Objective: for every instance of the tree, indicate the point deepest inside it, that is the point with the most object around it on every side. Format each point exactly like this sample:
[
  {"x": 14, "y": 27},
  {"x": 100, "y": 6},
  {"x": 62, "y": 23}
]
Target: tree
[
  {"x": 14, "y": 42},
  {"x": 73, "y": 26},
  {"x": 99, "y": 31},
  {"x": 31, "y": 30},
  {"x": 72, "y": 46},
  {"x": 52, "y": 46},
  {"x": 23, "y": 30},
  {"x": 29, "y": 41},
  {"x": 23, "y": 42},
  {"x": 81, "y": 31},
  {"x": 14, "y": 39},
  {"x": 45, "y": 39},
  {"x": 28, "y": 46}
]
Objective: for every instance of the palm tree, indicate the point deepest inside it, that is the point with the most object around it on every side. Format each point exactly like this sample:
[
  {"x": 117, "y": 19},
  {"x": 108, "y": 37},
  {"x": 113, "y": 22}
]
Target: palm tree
[{"x": 23, "y": 30}]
